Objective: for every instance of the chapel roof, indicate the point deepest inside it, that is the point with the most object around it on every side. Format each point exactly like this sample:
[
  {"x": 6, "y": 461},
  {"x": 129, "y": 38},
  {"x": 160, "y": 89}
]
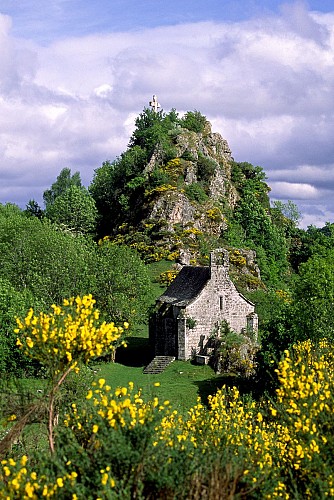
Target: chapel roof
[{"x": 186, "y": 286}]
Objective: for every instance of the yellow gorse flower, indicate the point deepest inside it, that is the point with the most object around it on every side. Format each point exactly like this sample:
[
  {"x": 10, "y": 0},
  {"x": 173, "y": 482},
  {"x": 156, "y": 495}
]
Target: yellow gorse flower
[{"x": 70, "y": 333}]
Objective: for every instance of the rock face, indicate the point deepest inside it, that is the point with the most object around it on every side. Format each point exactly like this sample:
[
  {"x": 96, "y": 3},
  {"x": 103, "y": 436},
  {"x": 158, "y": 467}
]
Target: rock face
[
  {"x": 173, "y": 207},
  {"x": 187, "y": 203},
  {"x": 208, "y": 143},
  {"x": 201, "y": 172}
]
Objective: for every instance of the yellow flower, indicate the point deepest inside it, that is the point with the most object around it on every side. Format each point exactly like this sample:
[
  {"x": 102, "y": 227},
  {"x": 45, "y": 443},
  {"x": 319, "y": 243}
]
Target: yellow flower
[{"x": 60, "y": 482}]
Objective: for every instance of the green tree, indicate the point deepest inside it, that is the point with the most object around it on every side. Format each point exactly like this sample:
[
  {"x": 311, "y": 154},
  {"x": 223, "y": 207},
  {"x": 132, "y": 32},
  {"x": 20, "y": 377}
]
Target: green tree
[
  {"x": 122, "y": 287},
  {"x": 64, "y": 180},
  {"x": 314, "y": 298},
  {"x": 34, "y": 256},
  {"x": 75, "y": 209},
  {"x": 34, "y": 210},
  {"x": 194, "y": 121},
  {"x": 287, "y": 212},
  {"x": 12, "y": 305}
]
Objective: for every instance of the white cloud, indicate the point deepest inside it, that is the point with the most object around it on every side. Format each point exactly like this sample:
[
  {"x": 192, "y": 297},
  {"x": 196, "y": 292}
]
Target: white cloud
[
  {"x": 266, "y": 84},
  {"x": 293, "y": 190}
]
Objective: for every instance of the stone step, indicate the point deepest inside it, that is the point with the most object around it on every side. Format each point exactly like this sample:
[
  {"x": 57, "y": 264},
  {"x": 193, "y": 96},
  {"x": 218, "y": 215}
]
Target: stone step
[{"x": 158, "y": 364}]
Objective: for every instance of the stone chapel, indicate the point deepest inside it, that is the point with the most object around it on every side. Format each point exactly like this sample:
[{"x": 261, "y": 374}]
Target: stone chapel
[{"x": 194, "y": 305}]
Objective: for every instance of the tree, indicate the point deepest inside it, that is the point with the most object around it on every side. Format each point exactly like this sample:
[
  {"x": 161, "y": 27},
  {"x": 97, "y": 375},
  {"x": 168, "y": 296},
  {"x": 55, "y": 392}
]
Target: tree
[
  {"x": 75, "y": 209},
  {"x": 63, "y": 182},
  {"x": 12, "y": 304},
  {"x": 34, "y": 210},
  {"x": 314, "y": 298},
  {"x": 194, "y": 121},
  {"x": 287, "y": 211},
  {"x": 49, "y": 263},
  {"x": 122, "y": 287}
]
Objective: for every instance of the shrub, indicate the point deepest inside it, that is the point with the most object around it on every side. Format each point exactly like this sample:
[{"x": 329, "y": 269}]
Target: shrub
[
  {"x": 195, "y": 192},
  {"x": 194, "y": 121}
]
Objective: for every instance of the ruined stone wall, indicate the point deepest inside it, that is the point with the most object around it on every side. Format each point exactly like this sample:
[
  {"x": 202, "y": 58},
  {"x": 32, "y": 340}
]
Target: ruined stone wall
[{"x": 218, "y": 301}]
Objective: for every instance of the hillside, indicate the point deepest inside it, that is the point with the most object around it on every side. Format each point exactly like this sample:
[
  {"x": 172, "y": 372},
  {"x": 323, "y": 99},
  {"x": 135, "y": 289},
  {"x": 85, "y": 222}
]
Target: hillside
[{"x": 176, "y": 193}]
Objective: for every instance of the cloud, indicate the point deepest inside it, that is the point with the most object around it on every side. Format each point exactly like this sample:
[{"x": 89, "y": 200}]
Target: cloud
[
  {"x": 293, "y": 190},
  {"x": 266, "y": 84}
]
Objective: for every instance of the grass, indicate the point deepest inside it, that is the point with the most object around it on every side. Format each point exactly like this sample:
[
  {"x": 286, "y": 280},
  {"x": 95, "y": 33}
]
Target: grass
[
  {"x": 155, "y": 269},
  {"x": 181, "y": 382}
]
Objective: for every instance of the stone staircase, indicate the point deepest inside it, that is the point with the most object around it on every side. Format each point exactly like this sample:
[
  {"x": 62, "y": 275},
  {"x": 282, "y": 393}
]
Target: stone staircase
[{"x": 158, "y": 364}]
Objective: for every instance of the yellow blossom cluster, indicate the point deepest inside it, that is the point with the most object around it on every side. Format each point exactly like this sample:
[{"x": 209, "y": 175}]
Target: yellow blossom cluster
[
  {"x": 20, "y": 482},
  {"x": 122, "y": 407},
  {"x": 282, "y": 448},
  {"x": 166, "y": 277},
  {"x": 67, "y": 334},
  {"x": 306, "y": 390}
]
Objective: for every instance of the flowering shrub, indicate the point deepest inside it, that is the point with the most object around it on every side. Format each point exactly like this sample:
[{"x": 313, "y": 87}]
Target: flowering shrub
[
  {"x": 166, "y": 277},
  {"x": 70, "y": 334},
  {"x": 67, "y": 335},
  {"x": 236, "y": 258},
  {"x": 119, "y": 444}
]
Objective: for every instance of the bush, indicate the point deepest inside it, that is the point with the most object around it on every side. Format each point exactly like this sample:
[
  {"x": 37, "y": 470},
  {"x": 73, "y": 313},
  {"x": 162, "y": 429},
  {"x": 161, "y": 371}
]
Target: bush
[
  {"x": 120, "y": 444},
  {"x": 195, "y": 192},
  {"x": 194, "y": 121}
]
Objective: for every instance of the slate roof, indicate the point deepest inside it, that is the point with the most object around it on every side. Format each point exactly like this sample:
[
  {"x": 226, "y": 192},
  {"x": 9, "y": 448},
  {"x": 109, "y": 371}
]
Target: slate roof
[{"x": 186, "y": 286}]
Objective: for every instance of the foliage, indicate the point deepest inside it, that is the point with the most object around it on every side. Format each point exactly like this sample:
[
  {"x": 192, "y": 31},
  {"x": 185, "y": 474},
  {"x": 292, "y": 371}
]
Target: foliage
[
  {"x": 313, "y": 296},
  {"x": 12, "y": 304},
  {"x": 287, "y": 214},
  {"x": 64, "y": 181},
  {"x": 74, "y": 209},
  {"x": 118, "y": 187},
  {"x": 120, "y": 444},
  {"x": 191, "y": 323},
  {"x": 167, "y": 277},
  {"x": 195, "y": 192},
  {"x": 34, "y": 210},
  {"x": 194, "y": 121},
  {"x": 60, "y": 340},
  {"x": 206, "y": 168},
  {"x": 35, "y": 257},
  {"x": 122, "y": 285}
]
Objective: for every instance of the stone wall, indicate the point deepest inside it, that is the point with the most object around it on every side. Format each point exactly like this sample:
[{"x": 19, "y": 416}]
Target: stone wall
[
  {"x": 218, "y": 301},
  {"x": 187, "y": 330}
]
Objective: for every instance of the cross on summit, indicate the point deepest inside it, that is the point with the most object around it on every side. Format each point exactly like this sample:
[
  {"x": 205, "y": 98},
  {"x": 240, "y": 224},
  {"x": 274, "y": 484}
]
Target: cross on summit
[{"x": 154, "y": 103}]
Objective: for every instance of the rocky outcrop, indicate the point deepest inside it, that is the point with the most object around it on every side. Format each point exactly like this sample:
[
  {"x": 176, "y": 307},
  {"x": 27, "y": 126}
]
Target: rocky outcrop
[
  {"x": 201, "y": 173},
  {"x": 174, "y": 208}
]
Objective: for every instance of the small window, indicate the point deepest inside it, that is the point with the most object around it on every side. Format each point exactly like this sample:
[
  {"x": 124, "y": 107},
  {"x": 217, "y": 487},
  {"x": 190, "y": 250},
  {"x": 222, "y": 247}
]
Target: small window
[{"x": 221, "y": 303}]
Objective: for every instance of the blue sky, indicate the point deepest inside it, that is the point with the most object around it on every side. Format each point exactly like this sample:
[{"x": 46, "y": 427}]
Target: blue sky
[
  {"x": 47, "y": 21},
  {"x": 75, "y": 74}
]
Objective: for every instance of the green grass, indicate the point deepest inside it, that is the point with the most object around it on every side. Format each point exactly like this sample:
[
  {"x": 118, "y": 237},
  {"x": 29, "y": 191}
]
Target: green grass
[
  {"x": 181, "y": 383},
  {"x": 155, "y": 269}
]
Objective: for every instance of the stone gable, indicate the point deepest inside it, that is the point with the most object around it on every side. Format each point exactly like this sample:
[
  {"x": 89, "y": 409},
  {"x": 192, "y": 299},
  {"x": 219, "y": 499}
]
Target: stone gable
[{"x": 193, "y": 307}]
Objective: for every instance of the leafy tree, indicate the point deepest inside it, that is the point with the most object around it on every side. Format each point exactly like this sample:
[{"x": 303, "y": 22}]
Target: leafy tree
[
  {"x": 122, "y": 287},
  {"x": 152, "y": 129},
  {"x": 75, "y": 209},
  {"x": 63, "y": 182},
  {"x": 194, "y": 121},
  {"x": 12, "y": 304},
  {"x": 287, "y": 213},
  {"x": 314, "y": 298},
  {"x": 34, "y": 210},
  {"x": 35, "y": 256},
  {"x": 262, "y": 235}
]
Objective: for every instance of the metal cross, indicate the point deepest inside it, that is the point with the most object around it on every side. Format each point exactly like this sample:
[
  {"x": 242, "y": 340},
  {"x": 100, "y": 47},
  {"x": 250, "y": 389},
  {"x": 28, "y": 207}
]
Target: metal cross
[{"x": 154, "y": 103}]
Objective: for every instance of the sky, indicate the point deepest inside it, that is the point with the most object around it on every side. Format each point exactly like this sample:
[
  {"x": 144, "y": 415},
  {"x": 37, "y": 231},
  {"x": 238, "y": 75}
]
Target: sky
[{"x": 75, "y": 74}]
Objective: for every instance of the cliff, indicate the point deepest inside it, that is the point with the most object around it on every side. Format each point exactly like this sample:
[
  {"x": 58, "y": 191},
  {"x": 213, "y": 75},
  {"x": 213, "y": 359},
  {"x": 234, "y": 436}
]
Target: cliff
[{"x": 176, "y": 190}]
